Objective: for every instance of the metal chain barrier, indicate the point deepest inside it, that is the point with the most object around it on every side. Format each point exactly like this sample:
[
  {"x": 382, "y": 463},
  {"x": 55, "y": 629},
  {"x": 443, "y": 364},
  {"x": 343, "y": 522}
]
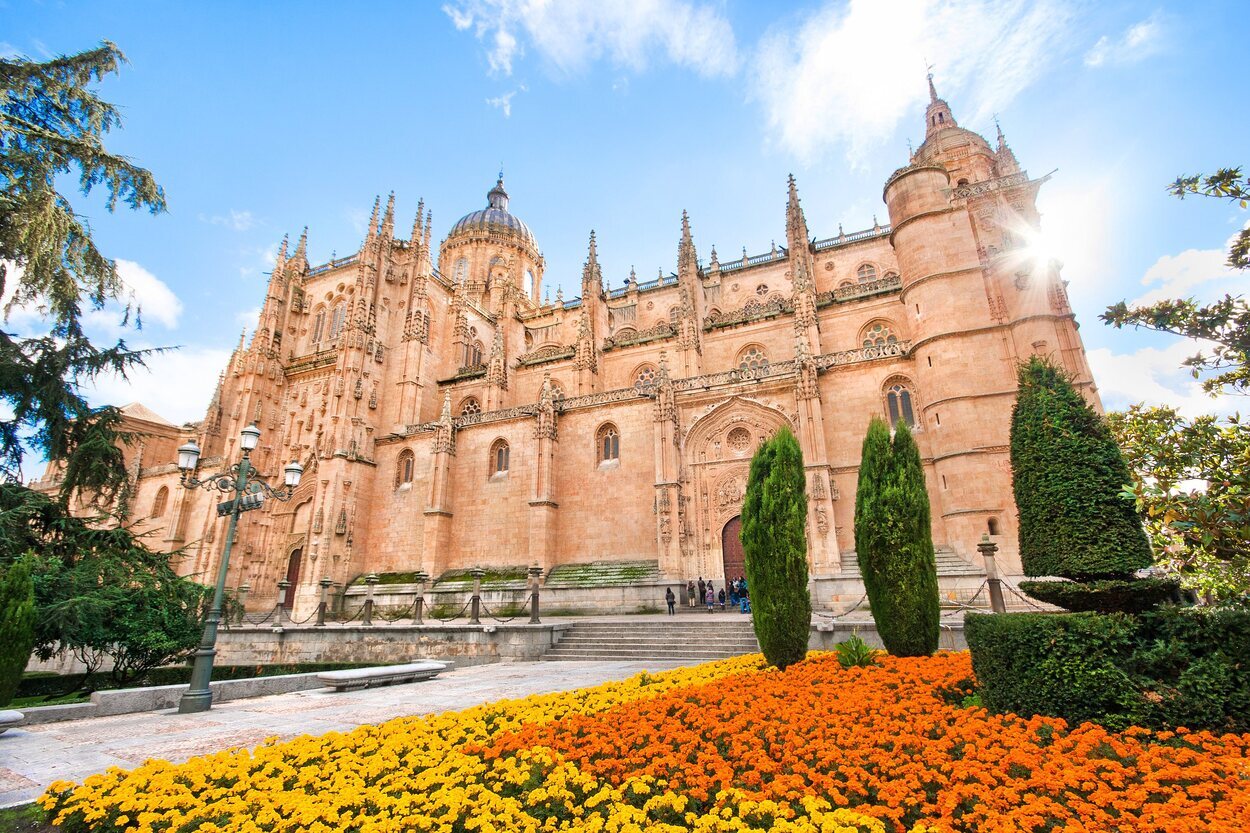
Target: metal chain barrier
[
  {"x": 846, "y": 612},
  {"x": 457, "y": 615},
  {"x": 402, "y": 613},
  {"x": 489, "y": 615}
]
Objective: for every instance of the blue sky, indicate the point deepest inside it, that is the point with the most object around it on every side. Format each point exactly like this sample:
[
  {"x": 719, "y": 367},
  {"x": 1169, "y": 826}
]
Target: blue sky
[{"x": 261, "y": 118}]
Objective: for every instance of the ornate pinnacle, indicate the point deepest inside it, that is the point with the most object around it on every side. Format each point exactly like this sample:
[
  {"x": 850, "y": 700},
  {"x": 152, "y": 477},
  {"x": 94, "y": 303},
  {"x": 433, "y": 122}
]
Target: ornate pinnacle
[
  {"x": 445, "y": 416},
  {"x": 388, "y": 220},
  {"x": 301, "y": 248},
  {"x": 417, "y": 223},
  {"x": 373, "y": 218}
]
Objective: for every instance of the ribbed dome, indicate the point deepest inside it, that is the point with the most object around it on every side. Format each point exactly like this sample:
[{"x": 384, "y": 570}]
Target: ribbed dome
[{"x": 495, "y": 217}]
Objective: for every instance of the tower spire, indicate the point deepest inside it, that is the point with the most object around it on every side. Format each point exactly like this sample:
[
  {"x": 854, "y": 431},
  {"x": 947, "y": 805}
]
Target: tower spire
[
  {"x": 796, "y": 223},
  {"x": 388, "y": 219},
  {"x": 418, "y": 222},
  {"x": 373, "y": 219},
  {"x": 301, "y": 248},
  {"x": 938, "y": 116},
  {"x": 592, "y": 275}
]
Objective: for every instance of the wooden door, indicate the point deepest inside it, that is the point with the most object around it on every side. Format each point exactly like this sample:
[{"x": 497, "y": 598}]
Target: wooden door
[
  {"x": 292, "y": 575},
  {"x": 731, "y": 549}
]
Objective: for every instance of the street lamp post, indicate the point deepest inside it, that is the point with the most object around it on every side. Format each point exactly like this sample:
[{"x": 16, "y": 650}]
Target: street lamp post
[{"x": 247, "y": 491}]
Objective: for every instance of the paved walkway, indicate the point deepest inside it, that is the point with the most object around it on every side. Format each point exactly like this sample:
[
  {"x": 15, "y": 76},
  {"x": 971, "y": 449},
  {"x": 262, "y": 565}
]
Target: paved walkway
[{"x": 31, "y": 759}]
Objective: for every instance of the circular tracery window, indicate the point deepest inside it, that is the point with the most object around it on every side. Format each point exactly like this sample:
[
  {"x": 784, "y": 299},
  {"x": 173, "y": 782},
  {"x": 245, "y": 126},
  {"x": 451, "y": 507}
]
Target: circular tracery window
[
  {"x": 753, "y": 360},
  {"x": 739, "y": 439}
]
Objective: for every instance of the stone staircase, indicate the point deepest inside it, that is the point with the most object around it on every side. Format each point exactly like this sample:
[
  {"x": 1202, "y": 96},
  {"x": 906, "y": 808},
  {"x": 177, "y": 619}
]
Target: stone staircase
[{"x": 685, "y": 641}]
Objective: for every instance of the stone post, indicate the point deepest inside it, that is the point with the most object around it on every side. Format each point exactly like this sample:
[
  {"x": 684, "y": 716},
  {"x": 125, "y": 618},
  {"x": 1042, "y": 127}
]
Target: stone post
[
  {"x": 325, "y": 601},
  {"x": 280, "y": 608},
  {"x": 475, "y": 604},
  {"x": 987, "y": 548},
  {"x": 244, "y": 589},
  {"x": 536, "y": 574},
  {"x": 370, "y": 581},
  {"x": 422, "y": 577}
]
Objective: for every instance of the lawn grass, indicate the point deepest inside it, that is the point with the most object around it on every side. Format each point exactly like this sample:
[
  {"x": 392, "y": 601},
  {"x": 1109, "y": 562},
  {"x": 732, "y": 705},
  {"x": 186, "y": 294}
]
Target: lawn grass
[{"x": 25, "y": 818}]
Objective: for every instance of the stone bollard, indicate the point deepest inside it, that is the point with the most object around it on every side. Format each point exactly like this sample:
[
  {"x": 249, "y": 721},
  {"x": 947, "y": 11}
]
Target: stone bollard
[
  {"x": 370, "y": 581},
  {"x": 422, "y": 577},
  {"x": 475, "y": 604},
  {"x": 244, "y": 589},
  {"x": 536, "y": 574},
  {"x": 280, "y": 608},
  {"x": 987, "y": 548},
  {"x": 325, "y": 601}
]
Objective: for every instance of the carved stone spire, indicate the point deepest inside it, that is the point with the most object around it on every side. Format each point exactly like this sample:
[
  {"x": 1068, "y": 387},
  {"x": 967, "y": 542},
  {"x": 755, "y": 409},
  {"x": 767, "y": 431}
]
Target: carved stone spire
[
  {"x": 1004, "y": 156},
  {"x": 687, "y": 258},
  {"x": 497, "y": 368},
  {"x": 806, "y": 367},
  {"x": 938, "y": 116},
  {"x": 279, "y": 263},
  {"x": 545, "y": 418},
  {"x": 388, "y": 219},
  {"x": 415, "y": 237},
  {"x": 665, "y": 397},
  {"x": 796, "y": 223},
  {"x": 301, "y": 249},
  {"x": 445, "y": 434},
  {"x": 592, "y": 275},
  {"x": 584, "y": 354},
  {"x": 373, "y": 219}
]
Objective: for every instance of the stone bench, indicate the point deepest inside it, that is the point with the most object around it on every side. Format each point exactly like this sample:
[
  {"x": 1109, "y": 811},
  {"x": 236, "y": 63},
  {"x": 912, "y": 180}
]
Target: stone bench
[
  {"x": 10, "y": 719},
  {"x": 350, "y": 678}
]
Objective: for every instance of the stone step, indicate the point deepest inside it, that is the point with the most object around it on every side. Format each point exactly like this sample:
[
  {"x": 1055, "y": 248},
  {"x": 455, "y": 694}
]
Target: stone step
[
  {"x": 683, "y": 641},
  {"x": 608, "y": 656},
  {"x": 578, "y": 642}
]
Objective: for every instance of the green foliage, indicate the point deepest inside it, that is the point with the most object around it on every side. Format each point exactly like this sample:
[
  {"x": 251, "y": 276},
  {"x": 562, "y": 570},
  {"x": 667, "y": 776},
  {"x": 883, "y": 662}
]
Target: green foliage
[
  {"x": 855, "y": 653},
  {"x": 1167, "y": 668},
  {"x": 1191, "y": 481},
  {"x": 1067, "y": 475},
  {"x": 52, "y": 125},
  {"x": 17, "y": 626},
  {"x": 98, "y": 590},
  {"x": 1116, "y": 595},
  {"x": 894, "y": 542},
  {"x": 774, "y": 543}
]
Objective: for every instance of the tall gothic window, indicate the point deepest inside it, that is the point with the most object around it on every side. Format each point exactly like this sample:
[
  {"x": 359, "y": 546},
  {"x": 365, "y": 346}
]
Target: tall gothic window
[
  {"x": 608, "y": 444},
  {"x": 644, "y": 379},
  {"x": 878, "y": 334},
  {"x": 898, "y": 403},
  {"x": 319, "y": 325},
  {"x": 499, "y": 454},
  {"x": 866, "y": 272},
  {"x": 338, "y": 320},
  {"x": 474, "y": 354},
  {"x": 470, "y": 406},
  {"x": 752, "y": 360},
  {"x": 462, "y": 270},
  {"x": 159, "y": 502},
  {"x": 557, "y": 393},
  {"x": 404, "y": 467}
]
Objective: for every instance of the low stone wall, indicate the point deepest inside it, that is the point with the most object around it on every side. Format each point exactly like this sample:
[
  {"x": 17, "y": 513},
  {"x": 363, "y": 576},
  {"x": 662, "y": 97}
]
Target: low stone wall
[
  {"x": 384, "y": 644},
  {"x": 625, "y": 598},
  {"x": 827, "y": 634},
  {"x": 156, "y": 698}
]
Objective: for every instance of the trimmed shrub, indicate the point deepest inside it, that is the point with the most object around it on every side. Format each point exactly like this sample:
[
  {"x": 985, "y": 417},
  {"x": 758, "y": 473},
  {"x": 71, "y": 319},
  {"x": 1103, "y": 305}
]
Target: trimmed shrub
[
  {"x": 1114, "y": 595},
  {"x": 1068, "y": 475},
  {"x": 17, "y": 626},
  {"x": 894, "y": 542},
  {"x": 1163, "y": 669},
  {"x": 774, "y": 545}
]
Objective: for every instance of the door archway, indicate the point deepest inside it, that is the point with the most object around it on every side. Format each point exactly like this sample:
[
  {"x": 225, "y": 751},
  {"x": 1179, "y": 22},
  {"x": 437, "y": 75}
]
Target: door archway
[
  {"x": 731, "y": 549},
  {"x": 292, "y": 575}
]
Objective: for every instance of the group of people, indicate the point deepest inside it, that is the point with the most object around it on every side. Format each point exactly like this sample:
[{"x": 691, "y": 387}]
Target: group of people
[{"x": 735, "y": 594}]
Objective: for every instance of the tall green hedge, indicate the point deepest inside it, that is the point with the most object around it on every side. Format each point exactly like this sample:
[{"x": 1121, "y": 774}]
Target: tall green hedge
[
  {"x": 1161, "y": 669},
  {"x": 1068, "y": 475},
  {"x": 17, "y": 626},
  {"x": 894, "y": 541},
  {"x": 774, "y": 544}
]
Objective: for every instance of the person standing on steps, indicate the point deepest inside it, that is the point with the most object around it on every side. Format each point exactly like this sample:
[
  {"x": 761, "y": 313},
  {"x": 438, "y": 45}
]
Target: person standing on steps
[
  {"x": 690, "y": 592},
  {"x": 672, "y": 601},
  {"x": 702, "y": 590},
  {"x": 710, "y": 597}
]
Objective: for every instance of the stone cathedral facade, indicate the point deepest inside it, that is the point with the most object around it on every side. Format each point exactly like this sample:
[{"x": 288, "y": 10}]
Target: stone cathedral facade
[{"x": 447, "y": 418}]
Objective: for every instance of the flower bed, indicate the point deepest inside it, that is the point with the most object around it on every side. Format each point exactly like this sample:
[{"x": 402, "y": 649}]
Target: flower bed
[{"x": 724, "y": 746}]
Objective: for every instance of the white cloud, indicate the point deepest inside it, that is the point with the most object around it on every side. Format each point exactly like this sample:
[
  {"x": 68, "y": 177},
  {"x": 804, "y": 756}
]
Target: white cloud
[
  {"x": 1155, "y": 376},
  {"x": 848, "y": 73},
  {"x": 141, "y": 290},
  {"x": 247, "y": 318},
  {"x": 235, "y": 220},
  {"x": 502, "y": 102},
  {"x": 1179, "y": 275},
  {"x": 149, "y": 293},
  {"x": 1139, "y": 41},
  {"x": 176, "y": 384},
  {"x": 573, "y": 33}
]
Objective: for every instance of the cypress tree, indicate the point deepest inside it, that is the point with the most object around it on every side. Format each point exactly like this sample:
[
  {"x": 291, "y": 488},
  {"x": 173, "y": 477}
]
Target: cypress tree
[
  {"x": 774, "y": 543},
  {"x": 1068, "y": 475},
  {"x": 894, "y": 541},
  {"x": 17, "y": 626}
]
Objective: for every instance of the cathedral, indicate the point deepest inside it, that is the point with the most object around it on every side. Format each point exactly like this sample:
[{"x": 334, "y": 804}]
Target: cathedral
[{"x": 447, "y": 417}]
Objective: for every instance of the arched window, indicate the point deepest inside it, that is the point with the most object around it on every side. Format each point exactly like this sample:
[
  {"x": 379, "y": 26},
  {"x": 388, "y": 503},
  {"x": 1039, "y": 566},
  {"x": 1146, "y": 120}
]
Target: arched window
[
  {"x": 473, "y": 354},
  {"x": 404, "y": 467},
  {"x": 499, "y": 453},
  {"x": 158, "y": 502},
  {"x": 866, "y": 272},
  {"x": 319, "y": 324},
  {"x": 337, "y": 320},
  {"x": 557, "y": 393},
  {"x": 898, "y": 402},
  {"x": 846, "y": 283},
  {"x": 752, "y": 360},
  {"x": 645, "y": 377},
  {"x": 878, "y": 334},
  {"x": 608, "y": 444},
  {"x": 529, "y": 284},
  {"x": 461, "y": 271},
  {"x": 992, "y": 526},
  {"x": 890, "y": 276},
  {"x": 470, "y": 406},
  {"x": 674, "y": 315},
  {"x": 625, "y": 334}
]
